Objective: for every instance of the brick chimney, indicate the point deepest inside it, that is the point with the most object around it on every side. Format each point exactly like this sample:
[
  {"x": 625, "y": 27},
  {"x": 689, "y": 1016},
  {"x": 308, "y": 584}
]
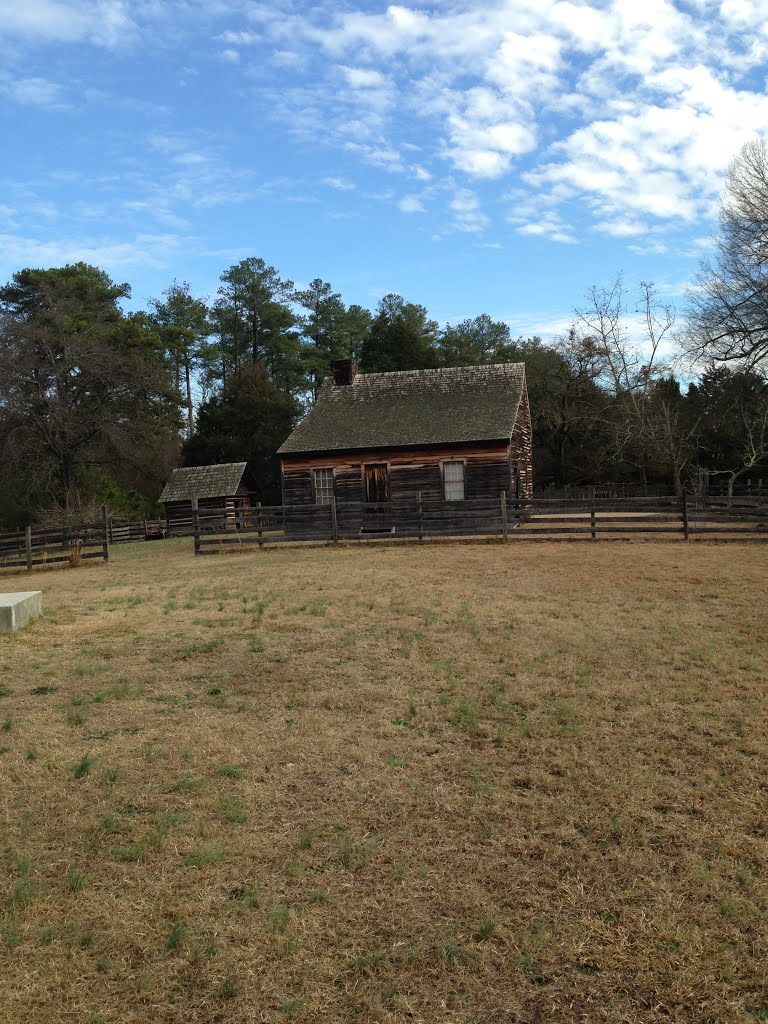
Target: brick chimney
[{"x": 344, "y": 371}]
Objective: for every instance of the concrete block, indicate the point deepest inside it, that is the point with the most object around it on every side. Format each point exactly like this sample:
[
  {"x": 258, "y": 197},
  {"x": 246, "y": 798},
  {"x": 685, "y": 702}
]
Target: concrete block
[{"x": 16, "y": 610}]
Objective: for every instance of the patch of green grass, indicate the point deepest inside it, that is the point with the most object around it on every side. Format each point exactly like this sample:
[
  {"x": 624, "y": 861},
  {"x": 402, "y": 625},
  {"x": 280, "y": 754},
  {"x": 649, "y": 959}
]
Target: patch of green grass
[
  {"x": 8, "y": 725},
  {"x": 232, "y": 812},
  {"x": 153, "y": 840},
  {"x": 84, "y": 765},
  {"x": 454, "y": 953},
  {"x": 465, "y": 717},
  {"x": 279, "y": 919},
  {"x": 367, "y": 963},
  {"x": 118, "y": 691},
  {"x": 75, "y": 717},
  {"x": 5, "y": 692},
  {"x": 203, "y": 857},
  {"x": 230, "y": 986},
  {"x": 177, "y": 935},
  {"x": 22, "y": 893},
  {"x": 486, "y": 928},
  {"x": 396, "y": 762},
  {"x": 318, "y": 896},
  {"x": 206, "y": 647},
  {"x": 352, "y": 855},
  {"x": 10, "y": 937},
  {"x": 187, "y": 784},
  {"x": 230, "y": 771},
  {"x": 293, "y": 1006},
  {"x": 75, "y": 880},
  {"x": 245, "y": 895}
]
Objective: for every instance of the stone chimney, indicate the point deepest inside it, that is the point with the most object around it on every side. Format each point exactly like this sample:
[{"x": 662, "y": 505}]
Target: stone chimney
[{"x": 344, "y": 371}]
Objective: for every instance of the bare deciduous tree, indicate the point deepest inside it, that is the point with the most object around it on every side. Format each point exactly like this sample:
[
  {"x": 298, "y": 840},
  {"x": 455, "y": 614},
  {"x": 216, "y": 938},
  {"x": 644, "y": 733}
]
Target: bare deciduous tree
[
  {"x": 728, "y": 307},
  {"x": 647, "y": 414}
]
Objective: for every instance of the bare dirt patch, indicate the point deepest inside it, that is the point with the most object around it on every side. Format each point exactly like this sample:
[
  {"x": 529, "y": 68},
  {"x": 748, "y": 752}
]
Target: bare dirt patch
[{"x": 470, "y": 783}]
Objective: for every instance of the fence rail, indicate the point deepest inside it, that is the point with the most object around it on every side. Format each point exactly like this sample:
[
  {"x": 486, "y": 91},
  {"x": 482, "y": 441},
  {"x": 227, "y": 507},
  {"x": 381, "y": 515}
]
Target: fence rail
[
  {"x": 417, "y": 518},
  {"x": 51, "y": 545}
]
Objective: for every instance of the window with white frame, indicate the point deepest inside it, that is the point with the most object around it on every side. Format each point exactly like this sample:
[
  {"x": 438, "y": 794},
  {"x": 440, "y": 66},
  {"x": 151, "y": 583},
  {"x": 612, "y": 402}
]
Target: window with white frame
[
  {"x": 323, "y": 486},
  {"x": 453, "y": 481}
]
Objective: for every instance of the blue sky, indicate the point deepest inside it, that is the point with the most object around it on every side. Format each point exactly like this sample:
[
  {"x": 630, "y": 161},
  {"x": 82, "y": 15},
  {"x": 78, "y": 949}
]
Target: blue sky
[{"x": 497, "y": 157}]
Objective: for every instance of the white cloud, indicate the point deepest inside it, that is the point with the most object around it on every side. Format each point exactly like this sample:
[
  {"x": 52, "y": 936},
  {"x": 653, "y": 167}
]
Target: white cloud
[
  {"x": 34, "y": 92},
  {"x": 104, "y": 23},
  {"x": 144, "y": 250},
  {"x": 411, "y": 204},
  {"x": 548, "y": 225},
  {"x": 238, "y": 38},
  {"x": 341, "y": 184},
  {"x": 621, "y": 112},
  {"x": 467, "y": 213},
  {"x": 363, "y": 78},
  {"x": 631, "y": 110}
]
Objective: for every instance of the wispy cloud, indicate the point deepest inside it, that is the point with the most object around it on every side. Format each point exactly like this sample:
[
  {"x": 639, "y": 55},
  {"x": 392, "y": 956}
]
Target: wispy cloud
[
  {"x": 34, "y": 92},
  {"x": 105, "y": 23},
  {"x": 648, "y": 102},
  {"x": 411, "y": 204},
  {"x": 341, "y": 184}
]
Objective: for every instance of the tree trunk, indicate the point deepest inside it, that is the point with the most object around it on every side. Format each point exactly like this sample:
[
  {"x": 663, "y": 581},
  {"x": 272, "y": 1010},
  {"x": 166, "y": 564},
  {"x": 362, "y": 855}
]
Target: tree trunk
[{"x": 190, "y": 414}]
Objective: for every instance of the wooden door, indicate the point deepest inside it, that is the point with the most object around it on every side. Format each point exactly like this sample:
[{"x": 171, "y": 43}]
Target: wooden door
[
  {"x": 377, "y": 511},
  {"x": 376, "y": 482}
]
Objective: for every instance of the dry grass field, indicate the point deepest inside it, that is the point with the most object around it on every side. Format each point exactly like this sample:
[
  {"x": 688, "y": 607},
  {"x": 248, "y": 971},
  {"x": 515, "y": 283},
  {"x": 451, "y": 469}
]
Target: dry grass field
[{"x": 451, "y": 784}]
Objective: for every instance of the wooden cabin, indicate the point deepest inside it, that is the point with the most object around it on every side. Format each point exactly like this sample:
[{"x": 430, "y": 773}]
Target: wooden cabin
[
  {"x": 451, "y": 434},
  {"x": 219, "y": 486}
]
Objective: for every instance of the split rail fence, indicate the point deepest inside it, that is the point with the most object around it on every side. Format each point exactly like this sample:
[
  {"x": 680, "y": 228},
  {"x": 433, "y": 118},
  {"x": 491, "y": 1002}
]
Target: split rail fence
[
  {"x": 417, "y": 519},
  {"x": 28, "y": 549}
]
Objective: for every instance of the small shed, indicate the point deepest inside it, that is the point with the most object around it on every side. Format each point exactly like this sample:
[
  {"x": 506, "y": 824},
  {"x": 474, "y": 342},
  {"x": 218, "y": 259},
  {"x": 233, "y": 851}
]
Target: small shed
[
  {"x": 219, "y": 486},
  {"x": 449, "y": 434}
]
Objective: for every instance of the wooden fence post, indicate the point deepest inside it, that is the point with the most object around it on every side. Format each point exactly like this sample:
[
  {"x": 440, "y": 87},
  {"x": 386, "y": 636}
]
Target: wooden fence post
[
  {"x": 28, "y": 545},
  {"x": 334, "y": 522},
  {"x": 504, "y": 525},
  {"x": 420, "y": 514},
  {"x": 259, "y": 525},
  {"x": 196, "y": 525},
  {"x": 592, "y": 523},
  {"x": 105, "y": 528},
  {"x": 686, "y": 523}
]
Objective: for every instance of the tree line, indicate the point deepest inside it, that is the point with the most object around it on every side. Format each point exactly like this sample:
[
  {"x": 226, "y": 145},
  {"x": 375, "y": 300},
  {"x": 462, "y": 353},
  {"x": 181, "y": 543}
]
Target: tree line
[{"x": 97, "y": 404}]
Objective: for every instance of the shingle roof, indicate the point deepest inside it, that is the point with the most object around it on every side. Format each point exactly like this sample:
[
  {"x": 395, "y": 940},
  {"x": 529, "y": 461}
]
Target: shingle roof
[
  {"x": 412, "y": 407},
  {"x": 221, "y": 481}
]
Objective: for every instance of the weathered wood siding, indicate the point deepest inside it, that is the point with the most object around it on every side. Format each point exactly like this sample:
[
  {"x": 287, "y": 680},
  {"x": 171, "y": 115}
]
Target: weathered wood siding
[
  {"x": 521, "y": 451},
  {"x": 487, "y": 473}
]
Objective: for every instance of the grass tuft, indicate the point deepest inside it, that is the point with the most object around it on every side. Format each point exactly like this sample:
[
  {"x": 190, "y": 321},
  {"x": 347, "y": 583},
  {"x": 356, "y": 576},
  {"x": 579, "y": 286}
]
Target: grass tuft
[{"x": 83, "y": 766}]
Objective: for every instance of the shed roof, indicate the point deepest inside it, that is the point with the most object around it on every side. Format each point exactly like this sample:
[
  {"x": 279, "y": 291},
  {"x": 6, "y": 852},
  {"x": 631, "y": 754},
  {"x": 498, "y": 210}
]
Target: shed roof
[
  {"x": 220, "y": 481},
  {"x": 412, "y": 407}
]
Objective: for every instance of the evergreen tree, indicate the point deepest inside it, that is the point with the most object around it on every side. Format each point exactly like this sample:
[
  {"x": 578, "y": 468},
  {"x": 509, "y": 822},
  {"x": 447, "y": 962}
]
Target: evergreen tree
[
  {"x": 247, "y": 422},
  {"x": 474, "y": 342},
  {"x": 402, "y": 337},
  {"x": 86, "y": 393},
  {"x": 186, "y": 328},
  {"x": 256, "y": 324}
]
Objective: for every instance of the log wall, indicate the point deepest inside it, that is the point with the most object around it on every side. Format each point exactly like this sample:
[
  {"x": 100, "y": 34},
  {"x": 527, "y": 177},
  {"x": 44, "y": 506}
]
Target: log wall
[{"x": 489, "y": 470}]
